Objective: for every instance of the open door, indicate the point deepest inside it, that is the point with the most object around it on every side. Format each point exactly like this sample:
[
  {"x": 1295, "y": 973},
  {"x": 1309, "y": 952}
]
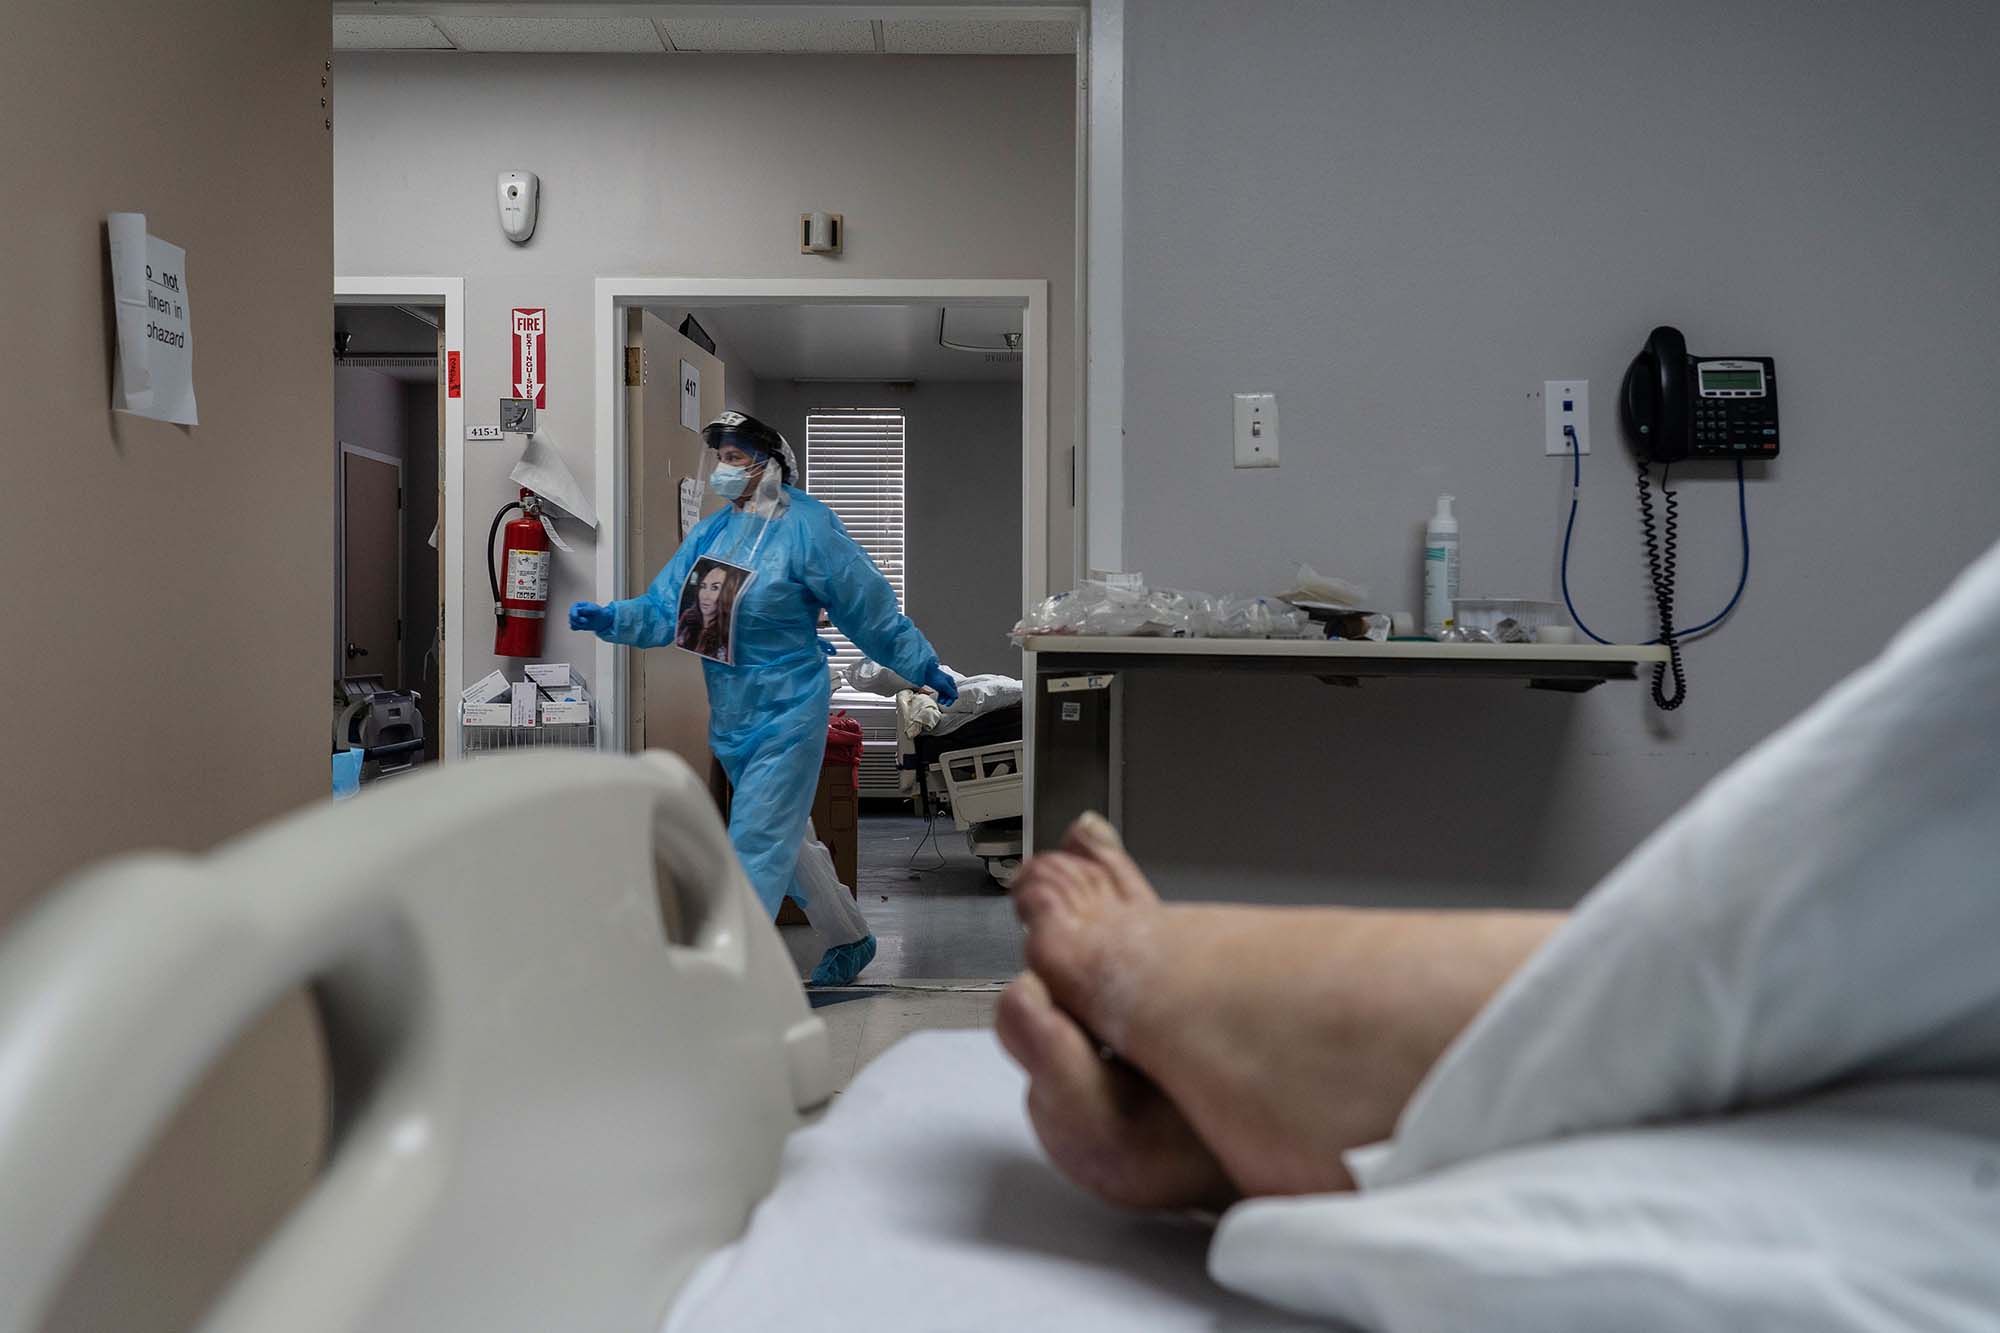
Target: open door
[
  {"x": 371, "y": 565},
  {"x": 671, "y": 702}
]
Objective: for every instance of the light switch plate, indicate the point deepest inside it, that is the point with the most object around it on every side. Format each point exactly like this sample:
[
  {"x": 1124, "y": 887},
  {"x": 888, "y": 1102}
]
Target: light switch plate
[
  {"x": 1565, "y": 403},
  {"x": 1256, "y": 430}
]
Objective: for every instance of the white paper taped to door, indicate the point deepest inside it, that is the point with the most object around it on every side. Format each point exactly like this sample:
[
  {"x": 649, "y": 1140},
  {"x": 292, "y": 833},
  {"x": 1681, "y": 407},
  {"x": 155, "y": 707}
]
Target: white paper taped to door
[
  {"x": 155, "y": 323},
  {"x": 690, "y": 505},
  {"x": 527, "y": 576}
]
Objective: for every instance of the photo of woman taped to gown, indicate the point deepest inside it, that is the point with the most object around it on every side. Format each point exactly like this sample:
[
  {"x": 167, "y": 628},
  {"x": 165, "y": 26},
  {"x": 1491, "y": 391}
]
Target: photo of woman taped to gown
[{"x": 708, "y": 610}]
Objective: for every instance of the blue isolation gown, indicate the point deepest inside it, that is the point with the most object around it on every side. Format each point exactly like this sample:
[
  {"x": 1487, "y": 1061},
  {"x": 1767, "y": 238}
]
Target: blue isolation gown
[{"x": 768, "y": 709}]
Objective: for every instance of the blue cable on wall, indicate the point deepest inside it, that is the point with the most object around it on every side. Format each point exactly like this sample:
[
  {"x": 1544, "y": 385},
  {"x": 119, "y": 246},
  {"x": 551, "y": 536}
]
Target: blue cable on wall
[{"x": 1575, "y": 489}]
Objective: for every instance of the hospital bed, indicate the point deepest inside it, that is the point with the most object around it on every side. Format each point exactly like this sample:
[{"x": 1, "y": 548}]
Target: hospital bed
[
  {"x": 571, "y": 1065},
  {"x": 1753, "y": 1083},
  {"x": 973, "y": 759}
]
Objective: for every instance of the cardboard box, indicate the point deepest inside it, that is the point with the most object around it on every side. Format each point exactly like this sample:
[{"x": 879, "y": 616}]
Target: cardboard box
[
  {"x": 549, "y": 675},
  {"x": 524, "y": 703},
  {"x": 489, "y": 688},
  {"x": 487, "y": 715},
  {"x": 565, "y": 712}
]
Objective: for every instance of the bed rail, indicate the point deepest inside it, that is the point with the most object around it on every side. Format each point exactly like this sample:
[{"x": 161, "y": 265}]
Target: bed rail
[{"x": 566, "y": 1047}]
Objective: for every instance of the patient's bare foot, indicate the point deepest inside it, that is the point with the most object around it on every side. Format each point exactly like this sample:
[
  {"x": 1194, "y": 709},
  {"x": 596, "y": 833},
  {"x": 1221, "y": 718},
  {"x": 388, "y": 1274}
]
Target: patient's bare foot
[
  {"x": 1284, "y": 1036},
  {"x": 1103, "y": 1123}
]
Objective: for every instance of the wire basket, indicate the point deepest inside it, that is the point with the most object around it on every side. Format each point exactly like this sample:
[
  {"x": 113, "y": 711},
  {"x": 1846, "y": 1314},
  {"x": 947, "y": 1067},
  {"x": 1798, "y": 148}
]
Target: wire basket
[
  {"x": 551, "y": 736},
  {"x": 478, "y": 738}
]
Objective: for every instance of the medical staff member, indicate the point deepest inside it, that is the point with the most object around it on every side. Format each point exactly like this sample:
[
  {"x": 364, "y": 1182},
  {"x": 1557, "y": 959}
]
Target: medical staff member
[{"x": 769, "y": 704}]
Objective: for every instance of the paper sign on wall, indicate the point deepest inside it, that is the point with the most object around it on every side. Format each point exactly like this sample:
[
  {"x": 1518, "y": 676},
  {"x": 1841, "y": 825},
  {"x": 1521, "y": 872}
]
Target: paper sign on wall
[
  {"x": 690, "y": 505},
  {"x": 531, "y": 350},
  {"x": 691, "y": 396},
  {"x": 155, "y": 323}
]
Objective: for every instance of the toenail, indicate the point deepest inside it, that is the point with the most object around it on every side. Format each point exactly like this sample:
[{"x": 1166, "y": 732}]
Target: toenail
[{"x": 1098, "y": 829}]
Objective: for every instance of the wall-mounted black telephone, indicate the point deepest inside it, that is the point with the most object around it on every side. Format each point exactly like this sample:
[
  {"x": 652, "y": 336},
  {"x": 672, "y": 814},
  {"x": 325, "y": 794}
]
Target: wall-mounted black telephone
[{"x": 1677, "y": 407}]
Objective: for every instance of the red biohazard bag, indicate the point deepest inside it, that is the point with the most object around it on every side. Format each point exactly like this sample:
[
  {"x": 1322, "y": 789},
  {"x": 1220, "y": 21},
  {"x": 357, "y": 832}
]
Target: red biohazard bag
[{"x": 843, "y": 745}]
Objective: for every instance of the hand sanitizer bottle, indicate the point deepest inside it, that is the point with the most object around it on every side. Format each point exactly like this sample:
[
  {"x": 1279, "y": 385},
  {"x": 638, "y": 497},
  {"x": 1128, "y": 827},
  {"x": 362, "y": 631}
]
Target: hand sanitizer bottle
[{"x": 1440, "y": 568}]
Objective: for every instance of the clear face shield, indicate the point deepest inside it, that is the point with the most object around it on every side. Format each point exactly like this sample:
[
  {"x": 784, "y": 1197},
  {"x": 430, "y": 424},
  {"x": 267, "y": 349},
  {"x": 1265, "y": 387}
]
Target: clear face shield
[{"x": 745, "y": 465}]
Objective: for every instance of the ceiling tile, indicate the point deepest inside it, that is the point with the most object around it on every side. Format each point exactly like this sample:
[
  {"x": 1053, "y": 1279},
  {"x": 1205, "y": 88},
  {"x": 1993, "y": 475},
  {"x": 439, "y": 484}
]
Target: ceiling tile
[
  {"x": 551, "y": 32},
  {"x": 386, "y": 32},
  {"x": 761, "y": 36},
  {"x": 968, "y": 37}
]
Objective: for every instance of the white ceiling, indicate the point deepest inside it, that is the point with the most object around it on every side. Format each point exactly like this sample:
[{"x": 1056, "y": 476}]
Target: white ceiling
[
  {"x": 860, "y": 342},
  {"x": 737, "y": 29}
]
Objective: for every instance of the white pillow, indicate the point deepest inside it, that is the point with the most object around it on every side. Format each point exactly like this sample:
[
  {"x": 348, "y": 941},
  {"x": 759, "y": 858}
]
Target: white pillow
[
  {"x": 1869, "y": 1209},
  {"x": 1825, "y": 912},
  {"x": 1827, "y": 909}
]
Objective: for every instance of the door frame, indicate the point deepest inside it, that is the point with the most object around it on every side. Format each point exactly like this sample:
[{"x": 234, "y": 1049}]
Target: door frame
[
  {"x": 340, "y": 561},
  {"x": 450, "y": 293},
  {"x": 615, "y": 296}
]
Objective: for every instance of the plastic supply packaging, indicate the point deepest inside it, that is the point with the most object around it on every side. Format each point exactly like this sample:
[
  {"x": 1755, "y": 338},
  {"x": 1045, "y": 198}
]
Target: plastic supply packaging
[
  {"x": 1261, "y": 618},
  {"x": 1506, "y": 619},
  {"x": 1312, "y": 587},
  {"x": 871, "y": 677},
  {"x": 1122, "y": 609}
]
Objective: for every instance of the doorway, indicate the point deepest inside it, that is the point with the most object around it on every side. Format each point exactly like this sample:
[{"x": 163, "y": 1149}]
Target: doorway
[
  {"x": 388, "y": 428},
  {"x": 918, "y": 422}
]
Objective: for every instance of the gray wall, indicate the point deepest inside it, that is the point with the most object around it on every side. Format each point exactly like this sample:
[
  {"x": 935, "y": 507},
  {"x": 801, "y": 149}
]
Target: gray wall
[
  {"x": 171, "y": 581},
  {"x": 697, "y": 167},
  {"x": 1423, "y": 212},
  {"x": 368, "y": 410},
  {"x": 961, "y": 499}
]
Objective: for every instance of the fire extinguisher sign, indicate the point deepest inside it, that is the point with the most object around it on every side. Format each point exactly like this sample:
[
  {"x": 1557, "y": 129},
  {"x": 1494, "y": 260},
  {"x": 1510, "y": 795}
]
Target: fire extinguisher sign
[{"x": 531, "y": 352}]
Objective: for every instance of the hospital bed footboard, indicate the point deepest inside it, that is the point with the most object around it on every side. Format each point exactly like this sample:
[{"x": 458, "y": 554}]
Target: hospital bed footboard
[{"x": 566, "y": 1047}]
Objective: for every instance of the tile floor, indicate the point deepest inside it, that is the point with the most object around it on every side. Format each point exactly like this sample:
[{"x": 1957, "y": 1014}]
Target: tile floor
[{"x": 946, "y": 942}]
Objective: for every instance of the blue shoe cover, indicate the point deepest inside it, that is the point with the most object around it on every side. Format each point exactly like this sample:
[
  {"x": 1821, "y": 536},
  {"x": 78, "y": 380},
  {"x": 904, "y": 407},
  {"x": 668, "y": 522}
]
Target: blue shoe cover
[{"x": 843, "y": 962}]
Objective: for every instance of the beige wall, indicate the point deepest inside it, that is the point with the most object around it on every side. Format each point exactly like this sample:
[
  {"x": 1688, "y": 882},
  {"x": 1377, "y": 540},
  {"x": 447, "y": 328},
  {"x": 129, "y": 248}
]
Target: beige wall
[
  {"x": 167, "y": 589},
  {"x": 658, "y": 166}
]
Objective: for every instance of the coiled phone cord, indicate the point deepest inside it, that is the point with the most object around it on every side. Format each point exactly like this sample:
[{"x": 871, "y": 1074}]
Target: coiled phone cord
[
  {"x": 1660, "y": 562},
  {"x": 1680, "y": 636}
]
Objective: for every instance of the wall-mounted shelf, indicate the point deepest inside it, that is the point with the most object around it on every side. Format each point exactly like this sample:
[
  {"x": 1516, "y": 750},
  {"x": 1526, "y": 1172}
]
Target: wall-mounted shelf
[
  {"x": 1566, "y": 666},
  {"x": 1076, "y": 694}
]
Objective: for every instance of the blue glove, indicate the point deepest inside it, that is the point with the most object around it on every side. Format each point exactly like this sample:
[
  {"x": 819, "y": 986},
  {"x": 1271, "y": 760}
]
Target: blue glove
[
  {"x": 589, "y": 615},
  {"x": 946, "y": 687}
]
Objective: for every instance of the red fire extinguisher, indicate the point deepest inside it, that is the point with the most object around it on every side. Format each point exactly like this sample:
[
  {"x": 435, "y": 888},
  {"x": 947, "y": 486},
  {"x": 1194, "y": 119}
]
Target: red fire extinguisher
[{"x": 520, "y": 607}]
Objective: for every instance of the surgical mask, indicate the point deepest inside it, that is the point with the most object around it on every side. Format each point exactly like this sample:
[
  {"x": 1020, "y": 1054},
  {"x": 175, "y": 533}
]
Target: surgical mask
[{"x": 728, "y": 480}]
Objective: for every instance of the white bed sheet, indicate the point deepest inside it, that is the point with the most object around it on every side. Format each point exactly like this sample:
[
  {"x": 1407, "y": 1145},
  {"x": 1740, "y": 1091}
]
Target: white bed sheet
[{"x": 922, "y": 1202}]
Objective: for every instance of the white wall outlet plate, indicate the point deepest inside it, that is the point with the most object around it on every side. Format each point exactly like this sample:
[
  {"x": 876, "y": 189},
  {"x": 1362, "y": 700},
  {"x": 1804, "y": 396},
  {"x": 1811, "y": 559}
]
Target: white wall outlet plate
[
  {"x": 1565, "y": 403},
  {"x": 1256, "y": 430}
]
